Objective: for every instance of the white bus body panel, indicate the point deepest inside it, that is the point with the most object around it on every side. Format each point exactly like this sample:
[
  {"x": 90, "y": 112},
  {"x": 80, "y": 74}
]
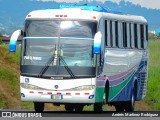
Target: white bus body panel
[{"x": 48, "y": 90}]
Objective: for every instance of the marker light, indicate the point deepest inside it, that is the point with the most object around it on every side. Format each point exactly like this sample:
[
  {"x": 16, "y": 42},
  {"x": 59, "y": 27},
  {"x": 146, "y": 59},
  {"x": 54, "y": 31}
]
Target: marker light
[
  {"x": 60, "y": 16},
  {"x": 94, "y": 17},
  {"x": 29, "y": 15},
  {"x": 56, "y": 15}
]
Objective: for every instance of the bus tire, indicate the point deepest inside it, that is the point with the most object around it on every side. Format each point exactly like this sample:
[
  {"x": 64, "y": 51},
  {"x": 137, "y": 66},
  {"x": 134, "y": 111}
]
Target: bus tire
[
  {"x": 119, "y": 108},
  {"x": 131, "y": 104},
  {"x": 106, "y": 92},
  {"x": 38, "y": 107},
  {"x": 98, "y": 107},
  {"x": 69, "y": 107},
  {"x": 79, "y": 108}
]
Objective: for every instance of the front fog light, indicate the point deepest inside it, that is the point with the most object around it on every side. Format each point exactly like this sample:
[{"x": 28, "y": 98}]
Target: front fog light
[
  {"x": 91, "y": 96},
  {"x": 22, "y": 95}
]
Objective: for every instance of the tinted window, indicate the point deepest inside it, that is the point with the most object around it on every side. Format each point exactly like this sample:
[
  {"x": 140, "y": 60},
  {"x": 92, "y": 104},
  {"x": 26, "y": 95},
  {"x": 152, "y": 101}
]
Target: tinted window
[
  {"x": 124, "y": 35},
  {"x": 48, "y": 28},
  {"x": 135, "y": 36}
]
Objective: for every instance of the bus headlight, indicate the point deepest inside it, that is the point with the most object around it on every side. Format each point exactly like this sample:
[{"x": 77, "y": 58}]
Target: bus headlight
[
  {"x": 31, "y": 87},
  {"x": 83, "y": 88}
]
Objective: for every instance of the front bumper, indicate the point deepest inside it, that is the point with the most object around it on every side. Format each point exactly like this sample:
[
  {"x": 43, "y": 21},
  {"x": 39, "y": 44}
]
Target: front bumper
[{"x": 58, "y": 96}]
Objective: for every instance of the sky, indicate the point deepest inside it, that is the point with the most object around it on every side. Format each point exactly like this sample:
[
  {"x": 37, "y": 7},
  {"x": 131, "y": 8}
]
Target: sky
[{"x": 154, "y": 4}]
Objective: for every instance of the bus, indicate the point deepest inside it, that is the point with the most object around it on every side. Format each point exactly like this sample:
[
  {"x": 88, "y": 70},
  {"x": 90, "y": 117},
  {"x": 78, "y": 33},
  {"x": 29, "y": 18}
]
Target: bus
[{"x": 83, "y": 55}]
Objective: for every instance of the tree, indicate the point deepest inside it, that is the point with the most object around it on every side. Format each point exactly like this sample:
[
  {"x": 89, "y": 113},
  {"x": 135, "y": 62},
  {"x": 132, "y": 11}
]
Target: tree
[
  {"x": 158, "y": 36},
  {"x": 1, "y": 38},
  {"x": 0, "y": 41}
]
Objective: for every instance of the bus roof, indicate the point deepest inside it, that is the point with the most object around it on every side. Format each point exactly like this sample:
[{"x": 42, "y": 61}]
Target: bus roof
[{"x": 83, "y": 13}]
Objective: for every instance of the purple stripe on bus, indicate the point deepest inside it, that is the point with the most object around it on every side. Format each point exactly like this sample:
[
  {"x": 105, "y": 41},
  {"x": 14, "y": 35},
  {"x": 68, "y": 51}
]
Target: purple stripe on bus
[
  {"x": 101, "y": 83},
  {"x": 117, "y": 78},
  {"x": 114, "y": 77}
]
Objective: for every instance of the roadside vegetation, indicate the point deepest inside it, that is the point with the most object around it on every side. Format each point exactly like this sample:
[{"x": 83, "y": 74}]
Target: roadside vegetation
[
  {"x": 9, "y": 78},
  {"x": 9, "y": 81},
  {"x": 153, "y": 90}
]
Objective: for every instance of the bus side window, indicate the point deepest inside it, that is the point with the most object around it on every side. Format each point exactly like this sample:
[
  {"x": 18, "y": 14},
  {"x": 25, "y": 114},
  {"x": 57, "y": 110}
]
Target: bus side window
[
  {"x": 142, "y": 35},
  {"x": 124, "y": 34},
  {"x": 135, "y": 36},
  {"x": 116, "y": 34},
  {"x": 146, "y": 32},
  {"x": 120, "y": 34},
  {"x": 106, "y": 33},
  {"x": 138, "y": 36},
  {"x": 132, "y": 36},
  {"x": 111, "y": 35},
  {"x": 145, "y": 35},
  {"x": 128, "y": 35}
]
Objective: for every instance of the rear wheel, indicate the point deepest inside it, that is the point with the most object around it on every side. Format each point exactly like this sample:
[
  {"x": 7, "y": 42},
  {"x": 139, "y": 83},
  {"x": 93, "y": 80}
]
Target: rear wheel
[
  {"x": 98, "y": 107},
  {"x": 119, "y": 108},
  {"x": 106, "y": 94},
  {"x": 131, "y": 104},
  {"x": 38, "y": 106}
]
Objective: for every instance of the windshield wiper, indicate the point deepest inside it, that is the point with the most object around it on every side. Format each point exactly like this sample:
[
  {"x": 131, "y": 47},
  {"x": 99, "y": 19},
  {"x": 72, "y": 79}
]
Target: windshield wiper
[
  {"x": 67, "y": 68},
  {"x": 44, "y": 69}
]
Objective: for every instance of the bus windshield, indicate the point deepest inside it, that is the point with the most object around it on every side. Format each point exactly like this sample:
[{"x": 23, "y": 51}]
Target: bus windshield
[
  {"x": 53, "y": 45},
  {"x": 48, "y": 28}
]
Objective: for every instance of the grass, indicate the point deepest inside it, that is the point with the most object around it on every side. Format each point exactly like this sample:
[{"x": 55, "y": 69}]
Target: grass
[
  {"x": 2, "y": 103},
  {"x": 153, "y": 90},
  {"x": 9, "y": 78},
  {"x": 13, "y": 57}
]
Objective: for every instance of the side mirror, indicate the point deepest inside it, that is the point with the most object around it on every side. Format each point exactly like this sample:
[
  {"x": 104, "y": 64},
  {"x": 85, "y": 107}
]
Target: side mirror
[
  {"x": 97, "y": 43},
  {"x": 13, "y": 40}
]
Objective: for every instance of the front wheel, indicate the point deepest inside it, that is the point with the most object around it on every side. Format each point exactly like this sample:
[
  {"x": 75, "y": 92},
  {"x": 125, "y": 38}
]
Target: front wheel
[
  {"x": 69, "y": 107},
  {"x": 98, "y": 107},
  {"x": 79, "y": 108},
  {"x": 38, "y": 107}
]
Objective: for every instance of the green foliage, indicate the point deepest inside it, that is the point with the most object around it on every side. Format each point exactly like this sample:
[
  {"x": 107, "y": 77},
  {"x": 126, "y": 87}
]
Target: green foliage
[
  {"x": 153, "y": 90},
  {"x": 9, "y": 78},
  {"x": 11, "y": 57},
  {"x": 2, "y": 103},
  {"x": 0, "y": 41},
  {"x": 152, "y": 36}
]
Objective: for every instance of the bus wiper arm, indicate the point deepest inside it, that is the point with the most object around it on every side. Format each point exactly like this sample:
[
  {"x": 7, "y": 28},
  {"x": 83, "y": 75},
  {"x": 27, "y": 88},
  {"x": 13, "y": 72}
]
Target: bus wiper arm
[
  {"x": 44, "y": 69},
  {"x": 67, "y": 68}
]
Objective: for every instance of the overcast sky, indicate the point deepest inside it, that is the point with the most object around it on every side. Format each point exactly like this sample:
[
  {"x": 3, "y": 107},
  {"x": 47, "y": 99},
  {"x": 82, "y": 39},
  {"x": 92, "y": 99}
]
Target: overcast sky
[{"x": 155, "y": 4}]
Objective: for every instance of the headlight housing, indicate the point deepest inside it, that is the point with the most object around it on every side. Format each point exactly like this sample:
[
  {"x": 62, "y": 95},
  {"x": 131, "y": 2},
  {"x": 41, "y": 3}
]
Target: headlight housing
[
  {"x": 31, "y": 87},
  {"x": 83, "y": 88},
  {"x": 80, "y": 88}
]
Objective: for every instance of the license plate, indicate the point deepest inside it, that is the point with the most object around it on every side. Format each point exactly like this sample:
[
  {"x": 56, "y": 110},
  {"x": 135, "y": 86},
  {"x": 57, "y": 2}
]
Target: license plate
[{"x": 56, "y": 97}]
